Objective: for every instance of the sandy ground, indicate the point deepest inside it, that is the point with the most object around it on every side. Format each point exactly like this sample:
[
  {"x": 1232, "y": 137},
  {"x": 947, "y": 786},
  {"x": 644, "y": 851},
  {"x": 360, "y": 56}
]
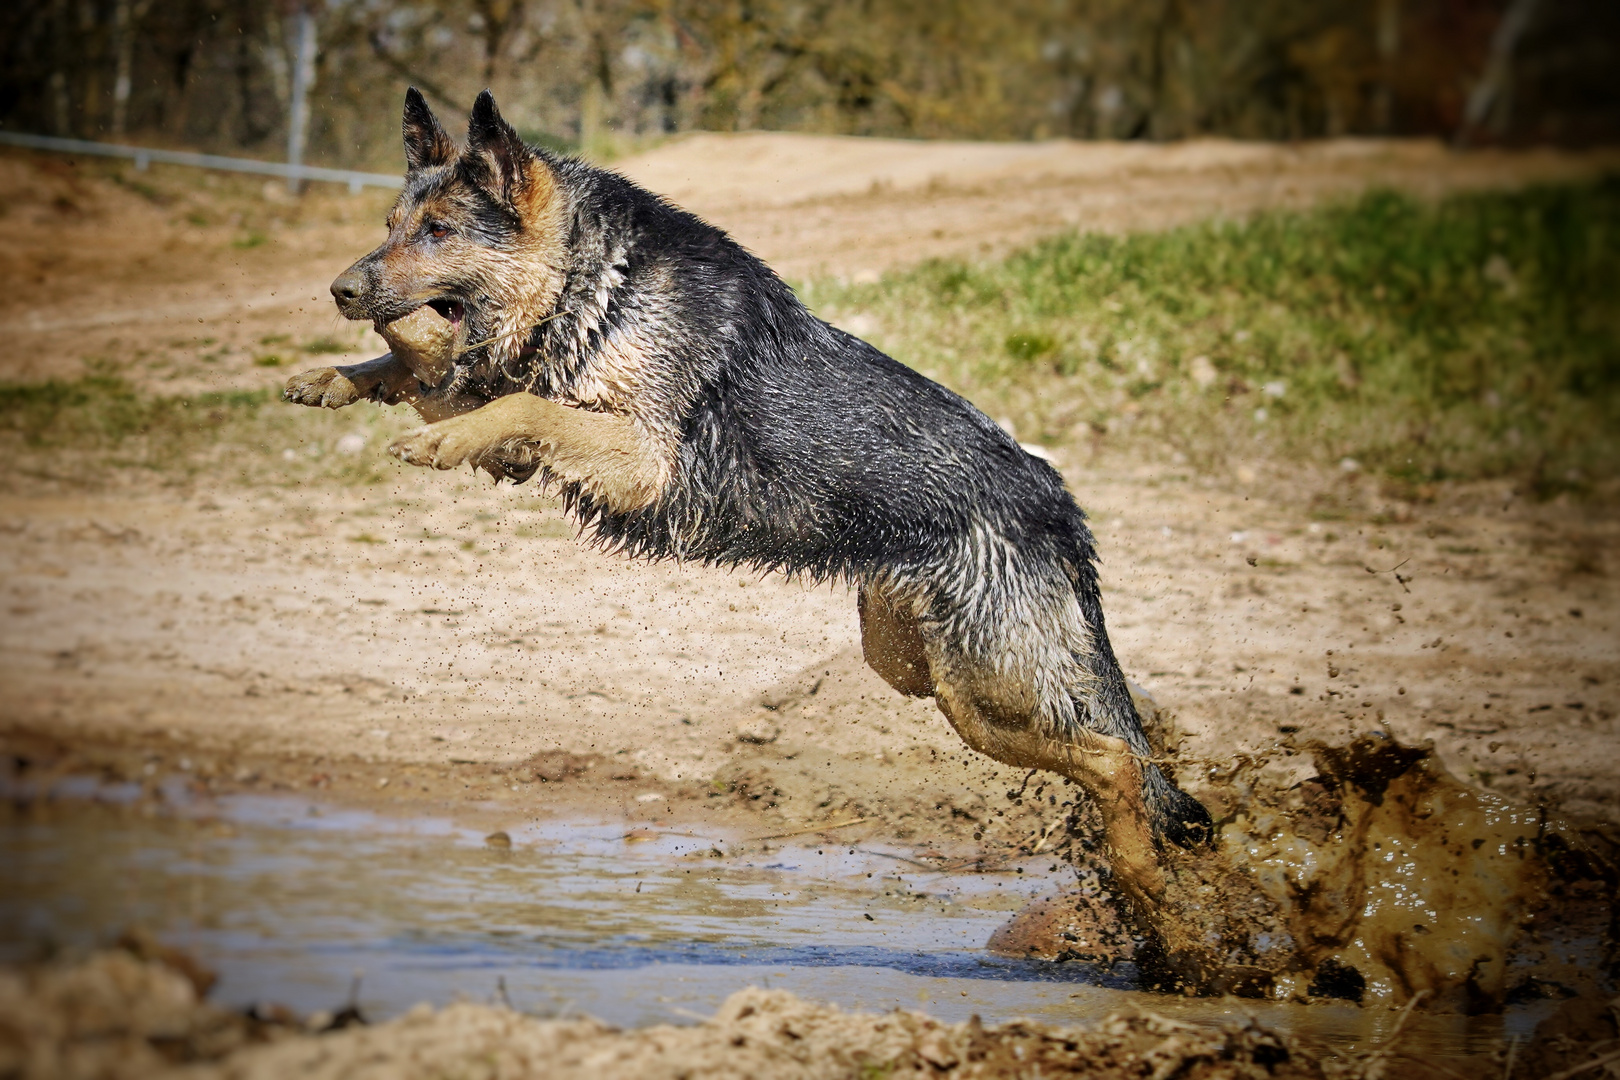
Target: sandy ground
[
  {"x": 438, "y": 622},
  {"x": 430, "y": 641},
  {"x": 431, "y": 620}
]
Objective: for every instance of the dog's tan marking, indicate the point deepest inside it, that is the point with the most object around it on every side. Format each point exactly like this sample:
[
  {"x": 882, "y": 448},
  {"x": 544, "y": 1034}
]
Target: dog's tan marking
[
  {"x": 892, "y": 644},
  {"x": 607, "y": 455}
]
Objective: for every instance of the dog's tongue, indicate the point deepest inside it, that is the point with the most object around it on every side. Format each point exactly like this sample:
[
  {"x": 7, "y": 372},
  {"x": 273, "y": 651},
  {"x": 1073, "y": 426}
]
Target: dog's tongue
[{"x": 425, "y": 342}]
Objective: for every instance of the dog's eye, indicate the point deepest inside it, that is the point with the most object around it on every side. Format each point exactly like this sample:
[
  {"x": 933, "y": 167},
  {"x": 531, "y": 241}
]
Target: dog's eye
[{"x": 438, "y": 230}]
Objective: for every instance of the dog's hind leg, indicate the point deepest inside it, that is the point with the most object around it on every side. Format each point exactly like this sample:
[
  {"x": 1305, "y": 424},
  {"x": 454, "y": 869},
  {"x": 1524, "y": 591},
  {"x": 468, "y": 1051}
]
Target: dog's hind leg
[
  {"x": 892, "y": 643},
  {"x": 1018, "y": 661},
  {"x": 994, "y": 702},
  {"x": 1016, "y": 688},
  {"x": 998, "y": 717},
  {"x": 999, "y": 714}
]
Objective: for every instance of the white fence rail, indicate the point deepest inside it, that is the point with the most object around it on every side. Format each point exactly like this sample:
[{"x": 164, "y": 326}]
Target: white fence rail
[{"x": 144, "y": 156}]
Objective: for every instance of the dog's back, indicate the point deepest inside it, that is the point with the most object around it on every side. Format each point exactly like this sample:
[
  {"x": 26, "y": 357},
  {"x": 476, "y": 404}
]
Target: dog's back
[{"x": 802, "y": 448}]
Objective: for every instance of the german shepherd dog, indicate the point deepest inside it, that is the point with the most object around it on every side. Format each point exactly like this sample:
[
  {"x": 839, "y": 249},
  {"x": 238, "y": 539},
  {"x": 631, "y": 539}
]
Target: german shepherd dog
[{"x": 686, "y": 405}]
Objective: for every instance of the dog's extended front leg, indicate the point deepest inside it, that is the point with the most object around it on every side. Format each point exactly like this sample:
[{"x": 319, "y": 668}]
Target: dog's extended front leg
[
  {"x": 383, "y": 380},
  {"x": 607, "y": 455},
  {"x": 334, "y": 387},
  {"x": 423, "y": 349}
]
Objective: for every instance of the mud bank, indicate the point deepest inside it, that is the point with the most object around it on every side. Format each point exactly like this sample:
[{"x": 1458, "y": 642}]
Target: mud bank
[
  {"x": 125, "y": 1014},
  {"x": 141, "y": 1011},
  {"x": 1362, "y": 871}
]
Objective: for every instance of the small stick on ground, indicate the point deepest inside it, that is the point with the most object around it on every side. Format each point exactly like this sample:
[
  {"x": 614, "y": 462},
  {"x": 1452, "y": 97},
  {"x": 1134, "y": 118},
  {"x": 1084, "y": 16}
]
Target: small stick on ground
[
  {"x": 1371, "y": 1064},
  {"x": 1045, "y": 835},
  {"x": 901, "y": 858},
  {"x": 811, "y": 829},
  {"x": 1612, "y": 1055}
]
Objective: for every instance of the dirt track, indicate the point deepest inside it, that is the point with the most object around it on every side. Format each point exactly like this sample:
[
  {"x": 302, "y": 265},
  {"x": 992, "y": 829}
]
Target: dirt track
[
  {"x": 338, "y": 636},
  {"x": 140, "y": 273}
]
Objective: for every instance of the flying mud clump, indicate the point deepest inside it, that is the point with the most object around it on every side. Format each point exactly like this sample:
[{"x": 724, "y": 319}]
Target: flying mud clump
[{"x": 1379, "y": 879}]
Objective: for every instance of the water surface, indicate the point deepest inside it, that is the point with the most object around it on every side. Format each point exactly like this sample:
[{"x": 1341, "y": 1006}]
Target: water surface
[{"x": 291, "y": 901}]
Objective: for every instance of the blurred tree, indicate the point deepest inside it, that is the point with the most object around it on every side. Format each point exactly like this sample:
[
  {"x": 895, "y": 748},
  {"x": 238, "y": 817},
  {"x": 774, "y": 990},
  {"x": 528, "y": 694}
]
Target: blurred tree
[{"x": 218, "y": 74}]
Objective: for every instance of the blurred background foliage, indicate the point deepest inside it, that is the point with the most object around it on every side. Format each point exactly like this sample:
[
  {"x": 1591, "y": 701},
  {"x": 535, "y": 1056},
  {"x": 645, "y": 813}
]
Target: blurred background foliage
[{"x": 607, "y": 74}]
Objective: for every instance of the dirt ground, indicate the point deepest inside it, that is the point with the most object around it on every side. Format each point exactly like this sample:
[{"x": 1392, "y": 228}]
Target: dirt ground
[
  {"x": 118, "y": 1015},
  {"x": 141, "y": 1012},
  {"x": 431, "y": 642}
]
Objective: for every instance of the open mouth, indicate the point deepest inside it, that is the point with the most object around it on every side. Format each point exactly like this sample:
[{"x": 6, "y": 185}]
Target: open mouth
[{"x": 451, "y": 309}]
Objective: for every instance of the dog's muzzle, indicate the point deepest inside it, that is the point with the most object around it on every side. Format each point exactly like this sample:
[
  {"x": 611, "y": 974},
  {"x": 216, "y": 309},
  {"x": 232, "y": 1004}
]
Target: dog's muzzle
[{"x": 349, "y": 291}]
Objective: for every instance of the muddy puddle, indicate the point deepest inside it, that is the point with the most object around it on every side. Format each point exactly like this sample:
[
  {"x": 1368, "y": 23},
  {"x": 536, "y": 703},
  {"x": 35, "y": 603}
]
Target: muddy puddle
[{"x": 298, "y": 903}]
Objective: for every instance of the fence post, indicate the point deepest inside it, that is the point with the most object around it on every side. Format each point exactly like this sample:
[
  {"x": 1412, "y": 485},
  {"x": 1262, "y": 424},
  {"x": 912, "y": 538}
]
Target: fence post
[{"x": 303, "y": 76}]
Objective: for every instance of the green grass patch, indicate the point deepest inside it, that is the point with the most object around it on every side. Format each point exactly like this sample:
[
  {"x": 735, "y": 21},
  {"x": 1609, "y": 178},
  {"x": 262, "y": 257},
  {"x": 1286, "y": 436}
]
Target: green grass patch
[
  {"x": 84, "y": 430},
  {"x": 102, "y": 410},
  {"x": 1475, "y": 337}
]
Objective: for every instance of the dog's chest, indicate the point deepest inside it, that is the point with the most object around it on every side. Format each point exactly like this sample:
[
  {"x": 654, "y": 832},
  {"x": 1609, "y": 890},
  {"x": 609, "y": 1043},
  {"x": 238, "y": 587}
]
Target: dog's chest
[{"x": 620, "y": 376}]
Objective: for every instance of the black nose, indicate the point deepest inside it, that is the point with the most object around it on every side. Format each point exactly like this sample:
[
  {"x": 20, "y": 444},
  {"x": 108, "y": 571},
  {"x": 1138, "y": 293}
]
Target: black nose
[{"x": 348, "y": 287}]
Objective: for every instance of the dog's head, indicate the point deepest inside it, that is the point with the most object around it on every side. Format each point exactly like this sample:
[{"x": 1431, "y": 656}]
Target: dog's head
[{"x": 476, "y": 234}]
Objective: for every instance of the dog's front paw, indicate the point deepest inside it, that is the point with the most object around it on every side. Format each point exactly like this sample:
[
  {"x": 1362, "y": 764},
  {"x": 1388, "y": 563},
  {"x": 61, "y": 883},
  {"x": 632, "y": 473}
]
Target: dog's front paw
[
  {"x": 445, "y": 445},
  {"x": 325, "y": 388}
]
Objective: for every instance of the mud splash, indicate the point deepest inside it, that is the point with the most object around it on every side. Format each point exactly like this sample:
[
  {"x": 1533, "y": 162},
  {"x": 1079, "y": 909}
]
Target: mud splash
[{"x": 1378, "y": 878}]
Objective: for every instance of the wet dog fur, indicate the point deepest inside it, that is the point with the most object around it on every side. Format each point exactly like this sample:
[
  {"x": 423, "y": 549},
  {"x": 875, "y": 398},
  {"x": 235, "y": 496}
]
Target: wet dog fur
[{"x": 688, "y": 406}]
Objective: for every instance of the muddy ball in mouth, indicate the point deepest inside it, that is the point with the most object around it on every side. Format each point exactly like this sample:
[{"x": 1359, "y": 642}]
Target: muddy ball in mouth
[{"x": 425, "y": 342}]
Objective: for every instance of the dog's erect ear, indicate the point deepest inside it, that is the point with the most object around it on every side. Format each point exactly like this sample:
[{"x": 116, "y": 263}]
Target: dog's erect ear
[
  {"x": 499, "y": 162},
  {"x": 426, "y": 142}
]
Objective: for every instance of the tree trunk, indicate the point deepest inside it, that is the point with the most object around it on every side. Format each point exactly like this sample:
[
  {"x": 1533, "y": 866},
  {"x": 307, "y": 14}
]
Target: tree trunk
[
  {"x": 61, "y": 102},
  {"x": 1389, "y": 47},
  {"x": 126, "y": 16},
  {"x": 303, "y": 78},
  {"x": 89, "y": 43},
  {"x": 1489, "y": 94}
]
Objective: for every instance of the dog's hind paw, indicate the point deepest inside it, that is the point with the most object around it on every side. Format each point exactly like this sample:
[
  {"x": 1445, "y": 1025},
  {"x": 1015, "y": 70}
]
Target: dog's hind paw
[
  {"x": 324, "y": 388},
  {"x": 1184, "y": 821}
]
